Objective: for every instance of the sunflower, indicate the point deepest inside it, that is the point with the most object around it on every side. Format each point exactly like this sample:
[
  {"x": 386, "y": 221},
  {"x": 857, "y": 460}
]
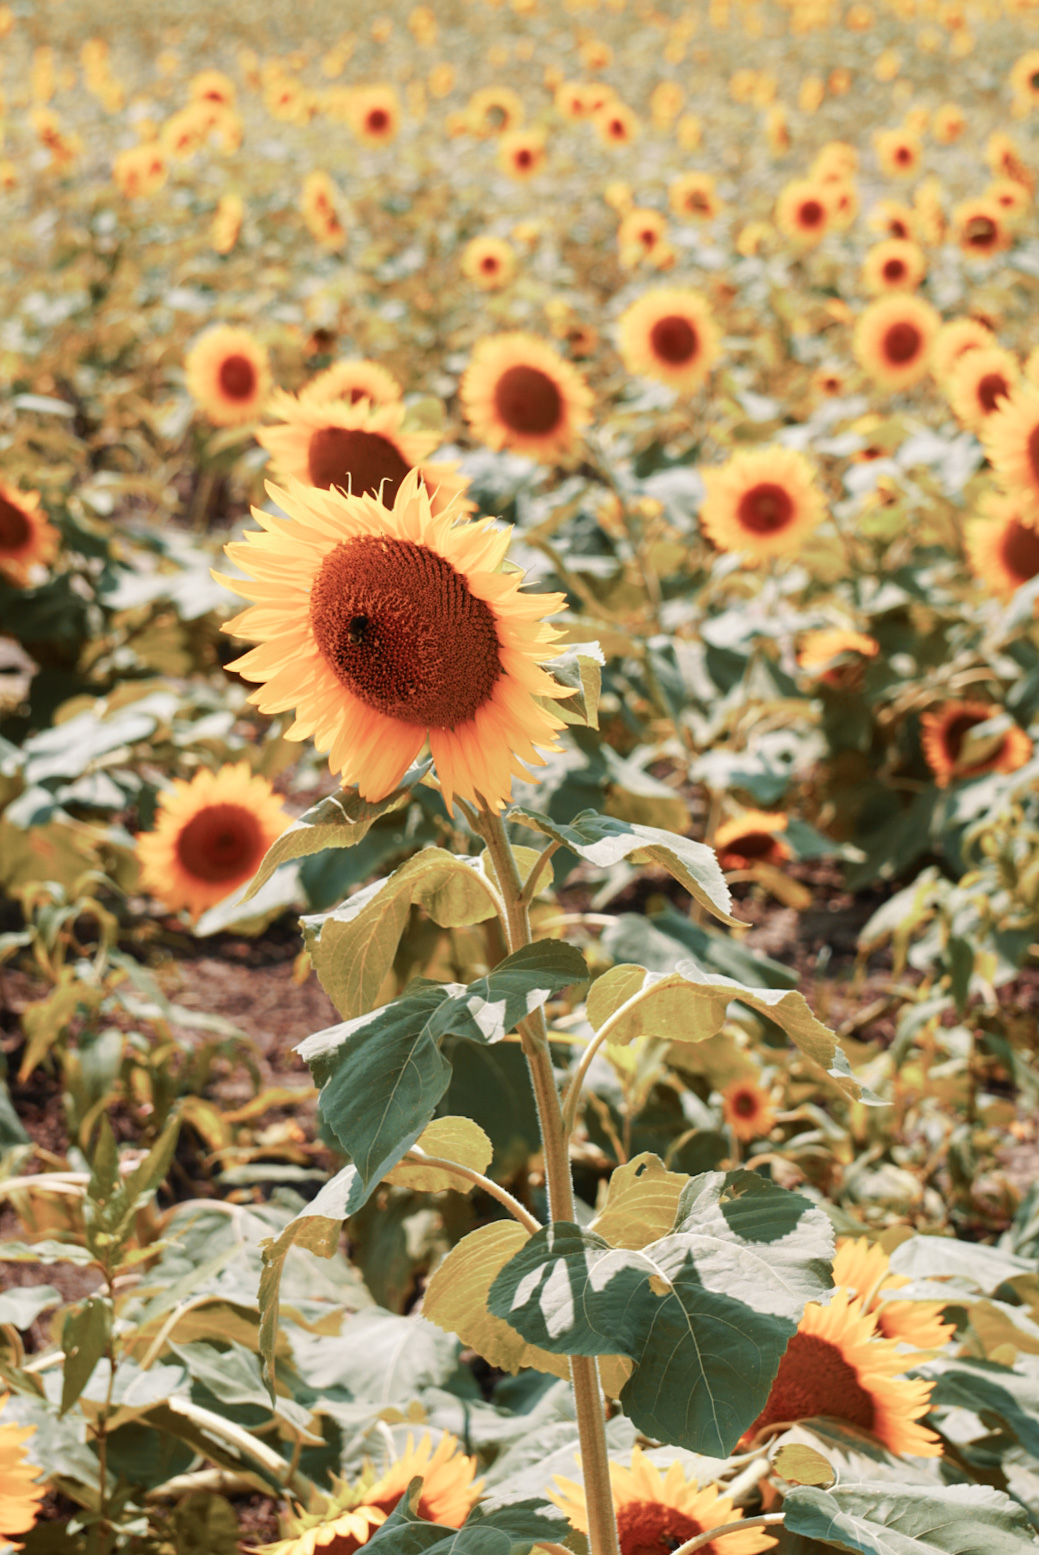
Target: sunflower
[
  {"x": 669, "y": 334},
  {"x": 893, "y": 217},
  {"x": 318, "y": 204},
  {"x": 948, "y": 124},
  {"x": 355, "y": 379},
  {"x": 830, "y": 382},
  {"x": 521, "y": 153},
  {"x": 944, "y": 731},
  {"x": 837, "y": 656},
  {"x": 374, "y": 114},
  {"x": 953, "y": 340},
  {"x": 837, "y": 1365},
  {"x": 694, "y": 194},
  {"x": 20, "y": 1494},
  {"x": 494, "y": 110},
  {"x": 359, "y": 446},
  {"x": 518, "y": 393},
  {"x": 751, "y": 838},
  {"x": 893, "y": 338},
  {"x": 1011, "y": 440},
  {"x": 640, "y": 232},
  {"x": 980, "y": 382},
  {"x": 1002, "y": 548},
  {"x": 863, "y": 1269},
  {"x": 659, "y": 1511},
  {"x": 384, "y": 627},
  {"x": 1004, "y": 159},
  {"x": 748, "y": 1110},
  {"x": 616, "y": 124},
  {"x": 140, "y": 171},
  {"x": 27, "y": 537},
  {"x": 896, "y": 265},
  {"x": 490, "y": 262},
  {"x": 209, "y": 838},
  {"x": 1024, "y": 77},
  {"x": 212, "y": 86},
  {"x": 572, "y": 100},
  {"x": 449, "y": 1490},
  {"x": 803, "y": 211},
  {"x": 228, "y": 374},
  {"x": 1032, "y": 365},
  {"x": 898, "y": 152},
  {"x": 227, "y": 223},
  {"x": 1012, "y": 198},
  {"x": 763, "y": 502},
  {"x": 980, "y": 227},
  {"x": 838, "y": 159}
]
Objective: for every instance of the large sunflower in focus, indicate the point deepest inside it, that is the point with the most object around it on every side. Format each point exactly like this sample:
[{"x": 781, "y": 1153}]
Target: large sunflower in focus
[
  {"x": 669, "y": 334},
  {"x": 657, "y": 1512},
  {"x": 228, "y": 375},
  {"x": 1002, "y": 549},
  {"x": 893, "y": 338},
  {"x": 210, "y": 837},
  {"x": 863, "y": 1269},
  {"x": 836, "y": 1365},
  {"x": 518, "y": 393},
  {"x": 944, "y": 731},
  {"x": 387, "y": 628},
  {"x": 1011, "y": 439},
  {"x": 354, "y": 445},
  {"x": 20, "y": 1495},
  {"x": 763, "y": 502},
  {"x": 27, "y": 537}
]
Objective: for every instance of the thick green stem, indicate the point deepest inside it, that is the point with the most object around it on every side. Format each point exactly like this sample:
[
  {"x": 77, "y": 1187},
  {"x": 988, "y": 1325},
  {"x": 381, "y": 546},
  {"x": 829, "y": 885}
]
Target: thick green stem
[{"x": 584, "y": 1370}]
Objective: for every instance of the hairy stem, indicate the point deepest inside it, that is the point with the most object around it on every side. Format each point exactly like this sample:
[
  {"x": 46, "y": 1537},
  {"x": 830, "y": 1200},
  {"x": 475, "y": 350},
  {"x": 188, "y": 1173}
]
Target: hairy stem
[
  {"x": 496, "y": 1191},
  {"x": 584, "y": 1370}
]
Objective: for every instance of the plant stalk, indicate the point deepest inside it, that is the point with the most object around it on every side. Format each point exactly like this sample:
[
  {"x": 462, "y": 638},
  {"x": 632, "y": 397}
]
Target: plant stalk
[{"x": 584, "y": 1370}]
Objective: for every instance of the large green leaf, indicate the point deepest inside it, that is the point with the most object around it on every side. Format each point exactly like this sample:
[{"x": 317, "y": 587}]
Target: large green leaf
[
  {"x": 340, "y": 820},
  {"x": 704, "y": 1313},
  {"x": 884, "y": 1519},
  {"x": 690, "y": 1005},
  {"x": 604, "y": 841},
  {"x": 353, "y": 947}
]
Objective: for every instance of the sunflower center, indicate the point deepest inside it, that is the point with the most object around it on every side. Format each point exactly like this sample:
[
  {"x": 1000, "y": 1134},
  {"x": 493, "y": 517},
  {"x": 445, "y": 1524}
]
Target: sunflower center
[
  {"x": 811, "y": 213},
  {"x": 745, "y": 1104},
  {"x": 357, "y": 461},
  {"x": 1033, "y": 81},
  {"x": 488, "y": 264},
  {"x": 903, "y": 155},
  {"x": 15, "y": 529},
  {"x": 524, "y": 157},
  {"x": 400, "y": 629},
  {"x": 650, "y": 1528},
  {"x": 898, "y": 228},
  {"x": 765, "y": 508},
  {"x": 1021, "y": 550},
  {"x": 992, "y": 388},
  {"x": 753, "y": 844},
  {"x": 528, "y": 401},
  {"x": 1033, "y": 450},
  {"x": 221, "y": 843},
  {"x": 894, "y": 270},
  {"x": 981, "y": 232},
  {"x": 237, "y": 377},
  {"x": 815, "y": 1379},
  {"x": 674, "y": 340},
  {"x": 378, "y": 120},
  {"x": 902, "y": 342}
]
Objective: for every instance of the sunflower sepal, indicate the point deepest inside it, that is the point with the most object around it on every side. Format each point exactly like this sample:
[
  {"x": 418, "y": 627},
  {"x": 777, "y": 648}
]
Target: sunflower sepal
[{"x": 339, "y": 820}]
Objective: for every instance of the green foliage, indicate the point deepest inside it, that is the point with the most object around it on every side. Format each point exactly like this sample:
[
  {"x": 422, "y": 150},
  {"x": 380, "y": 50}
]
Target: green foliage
[{"x": 882, "y": 1519}]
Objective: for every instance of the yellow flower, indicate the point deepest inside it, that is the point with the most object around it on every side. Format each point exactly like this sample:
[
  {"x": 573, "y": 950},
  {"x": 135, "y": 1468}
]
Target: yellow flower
[
  {"x": 383, "y": 628},
  {"x": 353, "y": 379},
  {"x": 227, "y": 223},
  {"x": 374, "y": 113},
  {"x": 898, "y": 152},
  {"x": 748, "y": 1110},
  {"x": 980, "y": 227},
  {"x": 27, "y": 537},
  {"x": 763, "y": 502},
  {"x": 228, "y": 374},
  {"x": 893, "y": 338},
  {"x": 895, "y": 265},
  {"x": 20, "y": 1495},
  {"x": 521, "y": 153},
  {"x": 863, "y": 1269},
  {"x": 1011, "y": 439},
  {"x": 803, "y": 211},
  {"x": 490, "y": 262},
  {"x": 944, "y": 731},
  {"x": 670, "y": 334},
  {"x": 694, "y": 194},
  {"x": 951, "y": 342},
  {"x": 1002, "y": 546},
  {"x": 518, "y": 393},
  {"x": 318, "y": 204},
  {"x": 751, "y": 838},
  {"x": 979, "y": 383}
]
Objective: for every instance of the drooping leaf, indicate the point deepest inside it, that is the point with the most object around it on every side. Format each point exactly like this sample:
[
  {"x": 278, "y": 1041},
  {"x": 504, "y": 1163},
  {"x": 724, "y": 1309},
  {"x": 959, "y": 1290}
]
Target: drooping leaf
[
  {"x": 690, "y": 1005},
  {"x": 704, "y": 1313},
  {"x": 884, "y": 1519},
  {"x": 604, "y": 840}
]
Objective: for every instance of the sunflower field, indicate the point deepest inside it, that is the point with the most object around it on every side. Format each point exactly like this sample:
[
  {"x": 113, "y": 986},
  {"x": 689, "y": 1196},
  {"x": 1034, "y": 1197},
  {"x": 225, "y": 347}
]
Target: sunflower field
[{"x": 519, "y": 777}]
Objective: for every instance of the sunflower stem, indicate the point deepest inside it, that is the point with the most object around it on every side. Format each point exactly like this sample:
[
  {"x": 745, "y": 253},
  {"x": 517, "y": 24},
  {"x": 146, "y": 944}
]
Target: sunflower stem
[
  {"x": 584, "y": 1369},
  {"x": 764, "y": 1521}
]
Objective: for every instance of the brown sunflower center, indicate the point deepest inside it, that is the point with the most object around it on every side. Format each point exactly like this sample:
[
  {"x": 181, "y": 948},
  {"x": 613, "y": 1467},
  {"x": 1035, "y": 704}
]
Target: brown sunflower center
[
  {"x": 528, "y": 401},
  {"x": 815, "y": 1379},
  {"x": 617, "y": 129},
  {"x": 981, "y": 232},
  {"x": 524, "y": 157},
  {"x": 1033, "y": 80},
  {"x": 745, "y": 1104},
  {"x": 902, "y": 342},
  {"x": 357, "y": 461},
  {"x": 674, "y": 340},
  {"x": 378, "y": 120},
  {"x": 400, "y": 629},
  {"x": 237, "y": 377},
  {"x": 992, "y": 388},
  {"x": 894, "y": 270},
  {"x": 1021, "y": 550},
  {"x": 956, "y": 731},
  {"x": 752, "y": 845},
  {"x": 489, "y": 263},
  {"x": 221, "y": 844},
  {"x": 898, "y": 228},
  {"x": 650, "y": 1528},
  {"x": 765, "y": 508},
  {"x": 1032, "y": 447},
  {"x": 903, "y": 155},
  {"x": 15, "y": 529},
  {"x": 811, "y": 213}
]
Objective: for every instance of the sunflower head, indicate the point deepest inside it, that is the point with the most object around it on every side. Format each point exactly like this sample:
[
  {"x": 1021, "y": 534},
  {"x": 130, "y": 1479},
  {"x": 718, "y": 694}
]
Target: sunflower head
[
  {"x": 228, "y": 375},
  {"x": 27, "y": 537},
  {"x": 763, "y": 502},
  {"x": 494, "y": 110},
  {"x": 1011, "y": 439},
  {"x": 979, "y": 383},
  {"x": 755, "y": 837},
  {"x": 948, "y": 124},
  {"x": 375, "y": 114},
  {"x": 489, "y": 262},
  {"x": 209, "y": 838},
  {"x": 981, "y": 227},
  {"x": 353, "y": 379},
  {"x": 952, "y": 340},
  {"x": 1003, "y": 544},
  {"x": 893, "y": 266},
  {"x": 747, "y": 1109},
  {"x": 862, "y": 1268},
  {"x": 670, "y": 334},
  {"x": 893, "y": 340},
  {"x": 521, "y": 153},
  {"x": 519, "y": 393},
  {"x": 616, "y": 124},
  {"x": 693, "y": 195},
  {"x": 803, "y": 211},
  {"x": 837, "y": 657},
  {"x": 945, "y": 732}
]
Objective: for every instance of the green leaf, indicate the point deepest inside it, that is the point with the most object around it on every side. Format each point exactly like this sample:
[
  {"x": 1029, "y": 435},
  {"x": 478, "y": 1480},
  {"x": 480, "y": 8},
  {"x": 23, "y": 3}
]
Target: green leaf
[
  {"x": 690, "y": 1005},
  {"x": 452, "y": 1139},
  {"x": 113, "y": 1200},
  {"x": 84, "y": 1338},
  {"x": 339, "y": 820},
  {"x": 513, "y": 1529},
  {"x": 604, "y": 841},
  {"x": 46, "y": 1252},
  {"x": 384, "y": 1073},
  {"x": 21, "y": 1305},
  {"x": 581, "y": 668},
  {"x": 641, "y": 1202},
  {"x": 884, "y": 1519},
  {"x": 205, "y": 1524},
  {"x": 705, "y": 1313},
  {"x": 353, "y": 947}
]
